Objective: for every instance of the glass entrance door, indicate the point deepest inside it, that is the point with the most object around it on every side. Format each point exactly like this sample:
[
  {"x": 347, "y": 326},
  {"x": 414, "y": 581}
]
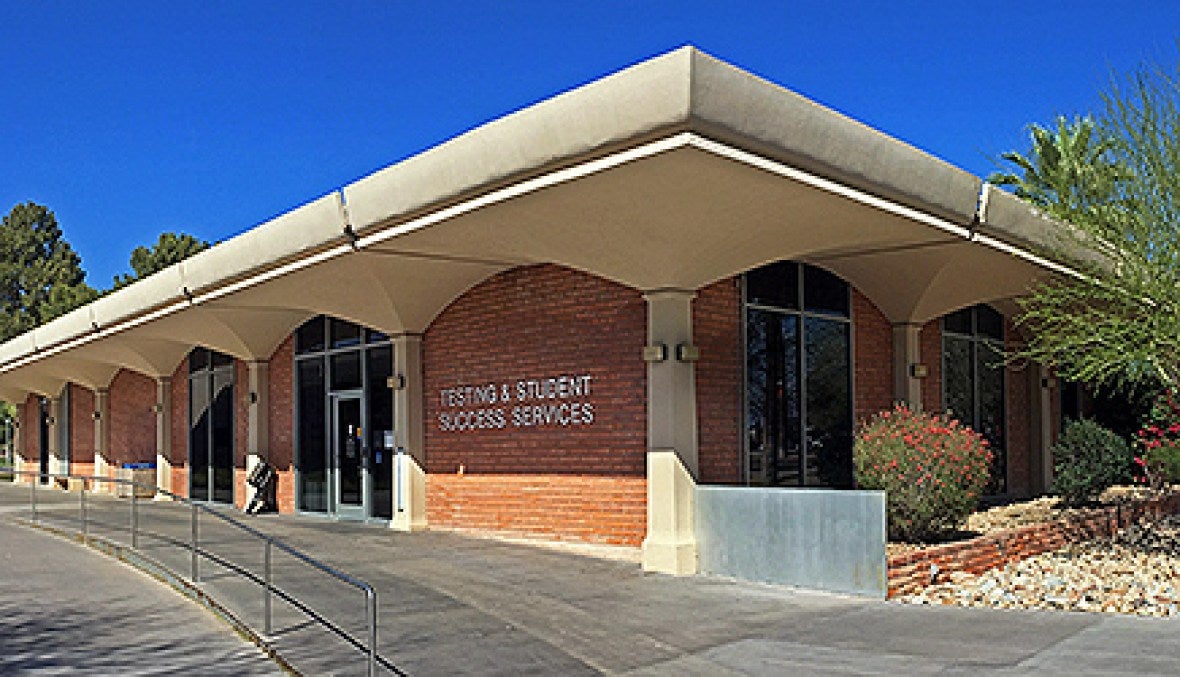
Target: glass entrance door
[{"x": 350, "y": 462}]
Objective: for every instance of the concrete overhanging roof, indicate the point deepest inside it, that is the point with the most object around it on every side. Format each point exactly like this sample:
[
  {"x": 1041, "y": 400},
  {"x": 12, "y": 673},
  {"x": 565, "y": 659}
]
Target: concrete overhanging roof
[{"x": 720, "y": 165}]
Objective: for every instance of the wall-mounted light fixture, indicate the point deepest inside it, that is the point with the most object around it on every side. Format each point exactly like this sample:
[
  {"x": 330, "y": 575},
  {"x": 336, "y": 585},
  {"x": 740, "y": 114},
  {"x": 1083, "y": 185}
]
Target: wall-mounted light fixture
[
  {"x": 655, "y": 353},
  {"x": 687, "y": 353},
  {"x": 49, "y": 420},
  {"x": 157, "y": 408},
  {"x": 1049, "y": 382},
  {"x": 97, "y": 415},
  {"x": 253, "y": 397},
  {"x": 918, "y": 370},
  {"x": 396, "y": 382}
]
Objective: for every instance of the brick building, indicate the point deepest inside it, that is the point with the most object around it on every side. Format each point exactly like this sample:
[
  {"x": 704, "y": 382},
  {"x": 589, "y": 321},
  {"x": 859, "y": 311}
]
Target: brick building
[{"x": 558, "y": 323}]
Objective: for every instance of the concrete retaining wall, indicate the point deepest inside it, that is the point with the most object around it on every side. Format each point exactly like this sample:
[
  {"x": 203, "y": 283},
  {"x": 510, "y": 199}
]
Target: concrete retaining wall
[{"x": 811, "y": 538}]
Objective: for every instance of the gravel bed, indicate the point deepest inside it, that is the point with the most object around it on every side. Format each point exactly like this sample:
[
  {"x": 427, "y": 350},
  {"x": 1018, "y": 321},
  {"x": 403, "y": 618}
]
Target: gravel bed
[{"x": 1137, "y": 572}]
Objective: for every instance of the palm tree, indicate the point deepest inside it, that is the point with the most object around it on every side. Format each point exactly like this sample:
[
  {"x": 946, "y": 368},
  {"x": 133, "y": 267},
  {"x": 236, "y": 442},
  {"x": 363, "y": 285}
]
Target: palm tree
[{"x": 1070, "y": 172}]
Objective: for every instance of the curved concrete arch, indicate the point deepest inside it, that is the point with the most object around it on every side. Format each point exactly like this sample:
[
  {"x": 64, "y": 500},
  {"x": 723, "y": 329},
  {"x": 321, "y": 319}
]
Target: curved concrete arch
[
  {"x": 152, "y": 357},
  {"x": 89, "y": 373}
]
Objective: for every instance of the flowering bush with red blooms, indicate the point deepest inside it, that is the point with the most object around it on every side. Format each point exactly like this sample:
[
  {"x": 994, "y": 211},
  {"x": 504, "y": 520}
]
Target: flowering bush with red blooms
[
  {"x": 1158, "y": 463},
  {"x": 932, "y": 469}
]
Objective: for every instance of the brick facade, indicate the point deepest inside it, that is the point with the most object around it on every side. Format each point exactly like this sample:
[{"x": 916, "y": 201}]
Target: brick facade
[
  {"x": 717, "y": 331},
  {"x": 282, "y": 412},
  {"x": 872, "y": 337},
  {"x": 81, "y": 430},
  {"x": 133, "y": 421},
  {"x": 180, "y": 464},
  {"x": 582, "y": 482}
]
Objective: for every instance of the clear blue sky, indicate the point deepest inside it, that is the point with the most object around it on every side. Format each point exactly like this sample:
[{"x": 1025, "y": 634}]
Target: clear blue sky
[{"x": 130, "y": 118}]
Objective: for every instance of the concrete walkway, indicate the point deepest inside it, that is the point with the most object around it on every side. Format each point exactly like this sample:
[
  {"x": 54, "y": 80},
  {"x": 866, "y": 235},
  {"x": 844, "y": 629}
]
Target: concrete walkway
[
  {"x": 451, "y": 604},
  {"x": 65, "y": 609}
]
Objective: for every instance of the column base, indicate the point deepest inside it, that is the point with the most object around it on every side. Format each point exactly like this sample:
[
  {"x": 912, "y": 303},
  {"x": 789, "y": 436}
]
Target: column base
[
  {"x": 670, "y": 546},
  {"x": 409, "y": 505}
]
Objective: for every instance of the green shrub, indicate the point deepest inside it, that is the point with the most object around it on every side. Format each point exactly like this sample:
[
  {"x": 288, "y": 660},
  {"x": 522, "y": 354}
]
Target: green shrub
[
  {"x": 1159, "y": 443},
  {"x": 931, "y": 468},
  {"x": 1087, "y": 460}
]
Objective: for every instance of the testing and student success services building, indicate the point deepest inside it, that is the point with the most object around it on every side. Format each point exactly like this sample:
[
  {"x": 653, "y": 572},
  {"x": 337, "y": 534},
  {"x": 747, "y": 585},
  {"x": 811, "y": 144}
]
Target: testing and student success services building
[{"x": 559, "y": 323}]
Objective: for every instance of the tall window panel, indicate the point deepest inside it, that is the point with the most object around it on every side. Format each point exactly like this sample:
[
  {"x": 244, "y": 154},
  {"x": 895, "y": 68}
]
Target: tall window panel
[{"x": 973, "y": 381}]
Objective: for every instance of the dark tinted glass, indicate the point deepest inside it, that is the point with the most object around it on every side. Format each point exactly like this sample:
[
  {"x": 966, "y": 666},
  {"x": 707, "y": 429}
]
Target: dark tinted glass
[
  {"x": 344, "y": 333},
  {"x": 311, "y": 428},
  {"x": 220, "y": 359},
  {"x": 989, "y": 323},
  {"x": 829, "y": 404},
  {"x": 374, "y": 336},
  {"x": 198, "y": 360},
  {"x": 990, "y": 371},
  {"x": 958, "y": 322},
  {"x": 381, "y": 448},
  {"x": 823, "y": 292},
  {"x": 198, "y": 438},
  {"x": 346, "y": 370},
  {"x": 223, "y": 437},
  {"x": 957, "y": 384},
  {"x": 772, "y": 415},
  {"x": 309, "y": 338},
  {"x": 774, "y": 285}
]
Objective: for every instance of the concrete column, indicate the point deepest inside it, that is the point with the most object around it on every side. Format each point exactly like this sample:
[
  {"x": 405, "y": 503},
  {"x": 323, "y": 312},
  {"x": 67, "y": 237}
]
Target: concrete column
[
  {"x": 672, "y": 464},
  {"x": 907, "y": 360},
  {"x": 102, "y": 438},
  {"x": 409, "y": 411},
  {"x": 18, "y": 444},
  {"x": 258, "y": 419},
  {"x": 163, "y": 435},
  {"x": 54, "y": 453}
]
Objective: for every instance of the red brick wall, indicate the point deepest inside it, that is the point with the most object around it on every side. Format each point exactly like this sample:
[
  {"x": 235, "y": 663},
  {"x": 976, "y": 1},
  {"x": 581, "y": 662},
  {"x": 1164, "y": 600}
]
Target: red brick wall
[
  {"x": 717, "y": 331},
  {"x": 241, "y": 429},
  {"x": 872, "y": 337},
  {"x": 582, "y": 482},
  {"x": 930, "y": 347},
  {"x": 133, "y": 423},
  {"x": 31, "y": 432},
  {"x": 179, "y": 432},
  {"x": 282, "y": 412},
  {"x": 81, "y": 430}
]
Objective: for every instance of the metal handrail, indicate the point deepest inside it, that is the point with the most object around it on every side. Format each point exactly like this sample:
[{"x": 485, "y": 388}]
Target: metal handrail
[{"x": 265, "y": 580}]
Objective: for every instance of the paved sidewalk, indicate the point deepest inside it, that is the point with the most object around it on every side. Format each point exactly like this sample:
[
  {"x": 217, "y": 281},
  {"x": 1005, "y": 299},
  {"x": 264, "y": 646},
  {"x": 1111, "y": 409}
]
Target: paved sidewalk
[
  {"x": 451, "y": 604},
  {"x": 65, "y": 609}
]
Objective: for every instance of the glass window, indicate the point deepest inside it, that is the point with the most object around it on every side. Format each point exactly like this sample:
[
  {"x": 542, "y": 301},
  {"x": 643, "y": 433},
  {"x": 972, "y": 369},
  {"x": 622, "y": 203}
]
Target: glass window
[
  {"x": 309, "y": 338},
  {"x": 823, "y": 292},
  {"x": 344, "y": 334},
  {"x": 346, "y": 371},
  {"x": 198, "y": 360},
  {"x": 381, "y": 447},
  {"x": 198, "y": 439},
  {"x": 798, "y": 379},
  {"x": 211, "y": 426},
  {"x": 973, "y": 380},
  {"x": 774, "y": 285},
  {"x": 311, "y": 432}
]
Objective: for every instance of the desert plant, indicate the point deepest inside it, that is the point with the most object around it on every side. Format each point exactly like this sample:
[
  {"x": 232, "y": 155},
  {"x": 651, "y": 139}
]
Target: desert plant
[
  {"x": 1087, "y": 460},
  {"x": 1159, "y": 443},
  {"x": 932, "y": 469}
]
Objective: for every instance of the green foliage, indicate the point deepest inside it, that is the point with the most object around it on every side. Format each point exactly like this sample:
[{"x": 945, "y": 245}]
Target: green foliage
[
  {"x": 1087, "y": 460},
  {"x": 1159, "y": 443},
  {"x": 1119, "y": 322},
  {"x": 41, "y": 276},
  {"x": 932, "y": 469},
  {"x": 169, "y": 249}
]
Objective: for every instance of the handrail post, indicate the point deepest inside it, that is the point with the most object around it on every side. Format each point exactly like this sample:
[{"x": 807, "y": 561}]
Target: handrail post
[
  {"x": 194, "y": 570},
  {"x": 267, "y": 579},
  {"x": 82, "y": 505},
  {"x": 134, "y": 518},
  {"x": 371, "y": 612}
]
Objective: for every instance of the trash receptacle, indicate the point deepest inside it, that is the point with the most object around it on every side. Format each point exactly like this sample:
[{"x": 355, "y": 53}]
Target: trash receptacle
[{"x": 144, "y": 474}]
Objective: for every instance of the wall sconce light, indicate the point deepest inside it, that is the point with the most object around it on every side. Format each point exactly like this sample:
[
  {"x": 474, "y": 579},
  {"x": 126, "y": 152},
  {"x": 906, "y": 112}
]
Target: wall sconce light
[
  {"x": 157, "y": 408},
  {"x": 1048, "y": 383},
  {"x": 50, "y": 420},
  {"x": 15, "y": 423},
  {"x": 253, "y": 397},
  {"x": 919, "y": 370},
  {"x": 687, "y": 353},
  {"x": 97, "y": 415},
  {"x": 396, "y": 382},
  {"x": 655, "y": 353}
]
